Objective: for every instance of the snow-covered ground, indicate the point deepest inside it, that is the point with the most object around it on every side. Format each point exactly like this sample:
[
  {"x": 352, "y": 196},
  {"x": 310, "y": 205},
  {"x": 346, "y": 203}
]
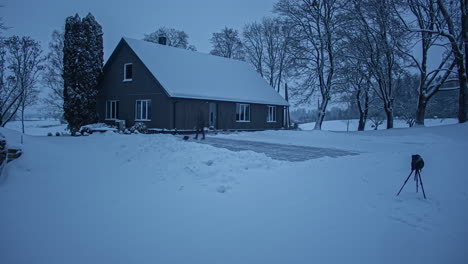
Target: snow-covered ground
[
  {"x": 111, "y": 198},
  {"x": 43, "y": 127},
  {"x": 343, "y": 125},
  {"x": 38, "y": 127}
]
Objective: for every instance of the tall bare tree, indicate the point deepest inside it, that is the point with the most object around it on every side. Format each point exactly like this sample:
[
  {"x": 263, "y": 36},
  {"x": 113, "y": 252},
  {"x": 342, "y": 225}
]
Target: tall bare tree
[
  {"x": 25, "y": 62},
  {"x": 356, "y": 84},
  {"x": 380, "y": 38},
  {"x": 315, "y": 25},
  {"x": 454, "y": 27},
  {"x": 267, "y": 47},
  {"x": 228, "y": 44},
  {"x": 10, "y": 93},
  {"x": 422, "y": 26},
  {"x": 52, "y": 77},
  {"x": 174, "y": 38},
  {"x": 254, "y": 45}
]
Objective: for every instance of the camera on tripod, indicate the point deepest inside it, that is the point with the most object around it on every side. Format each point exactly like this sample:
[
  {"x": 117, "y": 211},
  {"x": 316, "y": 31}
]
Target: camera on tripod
[{"x": 417, "y": 163}]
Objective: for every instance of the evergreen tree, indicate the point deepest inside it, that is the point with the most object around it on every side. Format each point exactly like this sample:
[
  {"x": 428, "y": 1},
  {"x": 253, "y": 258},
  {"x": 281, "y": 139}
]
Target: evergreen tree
[{"x": 82, "y": 69}]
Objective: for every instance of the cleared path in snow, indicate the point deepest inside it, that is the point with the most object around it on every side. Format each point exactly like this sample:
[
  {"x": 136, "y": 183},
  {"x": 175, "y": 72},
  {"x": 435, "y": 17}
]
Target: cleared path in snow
[{"x": 277, "y": 151}]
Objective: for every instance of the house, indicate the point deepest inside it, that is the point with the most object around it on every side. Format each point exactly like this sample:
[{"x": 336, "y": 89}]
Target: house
[{"x": 166, "y": 88}]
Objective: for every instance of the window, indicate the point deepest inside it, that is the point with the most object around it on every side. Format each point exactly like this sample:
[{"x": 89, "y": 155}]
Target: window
[
  {"x": 143, "y": 110},
  {"x": 271, "y": 114},
  {"x": 128, "y": 72},
  {"x": 112, "y": 110},
  {"x": 242, "y": 112}
]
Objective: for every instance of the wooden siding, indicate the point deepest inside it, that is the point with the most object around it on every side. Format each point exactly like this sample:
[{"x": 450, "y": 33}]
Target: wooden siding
[
  {"x": 187, "y": 109},
  {"x": 166, "y": 112},
  {"x": 142, "y": 86}
]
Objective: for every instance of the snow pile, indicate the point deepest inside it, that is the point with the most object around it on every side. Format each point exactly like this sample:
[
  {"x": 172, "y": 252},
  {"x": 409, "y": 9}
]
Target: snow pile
[{"x": 111, "y": 198}]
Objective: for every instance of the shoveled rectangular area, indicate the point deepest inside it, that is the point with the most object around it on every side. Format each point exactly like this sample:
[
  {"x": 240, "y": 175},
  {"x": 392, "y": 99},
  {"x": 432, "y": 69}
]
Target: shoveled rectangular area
[{"x": 277, "y": 151}]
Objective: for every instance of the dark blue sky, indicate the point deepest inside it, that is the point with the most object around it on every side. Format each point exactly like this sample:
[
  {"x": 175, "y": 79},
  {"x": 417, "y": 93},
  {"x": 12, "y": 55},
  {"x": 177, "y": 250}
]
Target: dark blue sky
[{"x": 133, "y": 18}]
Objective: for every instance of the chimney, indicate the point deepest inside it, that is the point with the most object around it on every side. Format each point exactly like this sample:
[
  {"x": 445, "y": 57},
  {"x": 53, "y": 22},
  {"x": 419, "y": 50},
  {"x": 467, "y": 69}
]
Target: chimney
[{"x": 162, "y": 40}]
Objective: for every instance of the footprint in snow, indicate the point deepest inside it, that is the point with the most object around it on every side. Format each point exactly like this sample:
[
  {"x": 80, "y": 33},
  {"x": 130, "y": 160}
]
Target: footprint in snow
[
  {"x": 414, "y": 213},
  {"x": 223, "y": 189},
  {"x": 209, "y": 163}
]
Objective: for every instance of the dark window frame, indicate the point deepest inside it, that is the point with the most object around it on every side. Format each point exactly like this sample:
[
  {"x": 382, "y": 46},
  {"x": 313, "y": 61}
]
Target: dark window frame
[
  {"x": 112, "y": 109},
  {"x": 271, "y": 114},
  {"x": 143, "y": 110},
  {"x": 128, "y": 74},
  {"x": 243, "y": 112}
]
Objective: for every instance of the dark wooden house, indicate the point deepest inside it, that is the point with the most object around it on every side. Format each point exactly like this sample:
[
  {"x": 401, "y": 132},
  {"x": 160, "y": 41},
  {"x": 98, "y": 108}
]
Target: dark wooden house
[{"x": 167, "y": 88}]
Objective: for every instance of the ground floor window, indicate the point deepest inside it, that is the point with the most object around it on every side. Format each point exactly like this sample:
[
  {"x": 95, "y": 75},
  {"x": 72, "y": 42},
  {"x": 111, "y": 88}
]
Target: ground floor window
[
  {"x": 242, "y": 112},
  {"x": 271, "y": 117},
  {"x": 143, "y": 110},
  {"x": 112, "y": 109}
]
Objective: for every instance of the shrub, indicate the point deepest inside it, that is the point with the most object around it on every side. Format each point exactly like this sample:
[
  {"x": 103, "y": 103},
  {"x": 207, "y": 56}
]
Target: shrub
[
  {"x": 57, "y": 134},
  {"x": 85, "y": 129},
  {"x": 49, "y": 134},
  {"x": 139, "y": 127}
]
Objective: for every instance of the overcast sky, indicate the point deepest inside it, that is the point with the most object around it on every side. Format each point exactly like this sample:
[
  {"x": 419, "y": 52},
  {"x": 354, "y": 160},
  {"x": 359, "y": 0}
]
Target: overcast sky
[{"x": 133, "y": 18}]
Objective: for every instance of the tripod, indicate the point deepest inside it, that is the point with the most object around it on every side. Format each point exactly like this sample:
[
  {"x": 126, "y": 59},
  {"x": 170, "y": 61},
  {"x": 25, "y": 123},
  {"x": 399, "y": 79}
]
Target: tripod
[{"x": 417, "y": 179}]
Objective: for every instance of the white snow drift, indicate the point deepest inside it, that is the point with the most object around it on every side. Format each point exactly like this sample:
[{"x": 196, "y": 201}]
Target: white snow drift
[{"x": 111, "y": 198}]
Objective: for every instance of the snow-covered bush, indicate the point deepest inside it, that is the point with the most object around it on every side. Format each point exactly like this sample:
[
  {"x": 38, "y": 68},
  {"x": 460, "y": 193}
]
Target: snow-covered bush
[
  {"x": 49, "y": 134},
  {"x": 85, "y": 129},
  {"x": 57, "y": 134},
  {"x": 97, "y": 127},
  {"x": 139, "y": 127}
]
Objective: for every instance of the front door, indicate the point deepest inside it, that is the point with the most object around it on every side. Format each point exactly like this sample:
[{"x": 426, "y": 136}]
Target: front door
[{"x": 212, "y": 116}]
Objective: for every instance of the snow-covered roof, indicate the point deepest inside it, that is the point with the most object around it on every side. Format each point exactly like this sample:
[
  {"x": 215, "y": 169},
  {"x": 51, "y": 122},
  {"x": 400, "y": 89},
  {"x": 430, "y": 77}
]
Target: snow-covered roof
[{"x": 195, "y": 75}]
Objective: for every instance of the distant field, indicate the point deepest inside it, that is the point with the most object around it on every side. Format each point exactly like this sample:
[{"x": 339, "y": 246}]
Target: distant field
[
  {"x": 342, "y": 125},
  {"x": 42, "y": 127},
  {"x": 38, "y": 127}
]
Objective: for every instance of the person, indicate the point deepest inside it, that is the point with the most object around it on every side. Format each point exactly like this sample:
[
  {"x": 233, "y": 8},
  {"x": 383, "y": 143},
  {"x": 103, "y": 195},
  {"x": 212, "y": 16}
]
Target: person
[{"x": 200, "y": 124}]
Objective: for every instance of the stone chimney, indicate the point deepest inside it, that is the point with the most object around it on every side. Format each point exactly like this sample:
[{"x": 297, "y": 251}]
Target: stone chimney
[{"x": 162, "y": 40}]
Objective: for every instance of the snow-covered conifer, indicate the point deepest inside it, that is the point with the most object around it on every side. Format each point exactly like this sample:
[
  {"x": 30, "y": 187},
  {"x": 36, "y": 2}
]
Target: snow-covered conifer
[{"x": 82, "y": 63}]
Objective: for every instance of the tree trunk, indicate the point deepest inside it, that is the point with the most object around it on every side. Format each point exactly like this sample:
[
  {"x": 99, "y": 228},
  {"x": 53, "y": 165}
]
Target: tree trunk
[
  {"x": 362, "y": 122},
  {"x": 462, "y": 73},
  {"x": 463, "y": 97},
  {"x": 421, "y": 111},
  {"x": 22, "y": 120},
  {"x": 286, "y": 97},
  {"x": 363, "y": 111},
  {"x": 321, "y": 114},
  {"x": 389, "y": 113}
]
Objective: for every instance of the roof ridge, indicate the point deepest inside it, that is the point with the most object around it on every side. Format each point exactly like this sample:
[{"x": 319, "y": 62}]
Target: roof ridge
[
  {"x": 188, "y": 51},
  {"x": 189, "y": 74}
]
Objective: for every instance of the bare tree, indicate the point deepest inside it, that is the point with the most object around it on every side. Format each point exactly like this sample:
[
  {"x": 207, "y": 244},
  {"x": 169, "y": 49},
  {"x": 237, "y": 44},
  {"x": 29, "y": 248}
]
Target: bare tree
[
  {"x": 254, "y": 45},
  {"x": 315, "y": 25},
  {"x": 174, "y": 38},
  {"x": 381, "y": 38},
  {"x": 267, "y": 47},
  {"x": 406, "y": 97},
  {"x": 10, "y": 94},
  {"x": 25, "y": 64},
  {"x": 454, "y": 27},
  {"x": 228, "y": 44},
  {"x": 52, "y": 77},
  {"x": 356, "y": 85},
  {"x": 422, "y": 27}
]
